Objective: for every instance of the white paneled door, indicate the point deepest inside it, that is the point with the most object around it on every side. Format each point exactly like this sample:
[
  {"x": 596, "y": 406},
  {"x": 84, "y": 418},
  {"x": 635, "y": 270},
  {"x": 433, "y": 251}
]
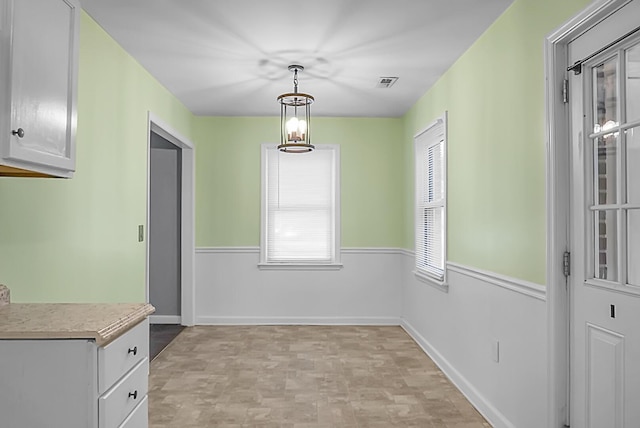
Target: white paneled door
[{"x": 605, "y": 223}]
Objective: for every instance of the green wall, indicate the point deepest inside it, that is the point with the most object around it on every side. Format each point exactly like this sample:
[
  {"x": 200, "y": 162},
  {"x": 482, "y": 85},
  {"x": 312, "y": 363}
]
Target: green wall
[
  {"x": 494, "y": 96},
  {"x": 76, "y": 240},
  {"x": 228, "y": 178}
]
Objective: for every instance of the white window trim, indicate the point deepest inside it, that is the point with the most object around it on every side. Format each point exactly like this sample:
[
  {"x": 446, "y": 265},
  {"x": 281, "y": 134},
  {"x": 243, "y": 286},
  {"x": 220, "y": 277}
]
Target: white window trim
[
  {"x": 300, "y": 266},
  {"x": 435, "y": 283},
  {"x": 423, "y": 275},
  {"x": 336, "y": 264}
]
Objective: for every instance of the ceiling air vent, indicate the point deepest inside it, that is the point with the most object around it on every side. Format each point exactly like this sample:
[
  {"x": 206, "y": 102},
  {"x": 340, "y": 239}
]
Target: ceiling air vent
[{"x": 386, "y": 82}]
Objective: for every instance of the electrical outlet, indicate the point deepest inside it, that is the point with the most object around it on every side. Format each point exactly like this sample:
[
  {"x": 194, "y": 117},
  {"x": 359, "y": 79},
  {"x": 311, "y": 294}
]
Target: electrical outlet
[
  {"x": 495, "y": 351},
  {"x": 140, "y": 232}
]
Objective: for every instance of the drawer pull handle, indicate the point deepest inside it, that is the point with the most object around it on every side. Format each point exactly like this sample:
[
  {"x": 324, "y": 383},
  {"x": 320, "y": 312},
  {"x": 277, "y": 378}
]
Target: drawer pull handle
[
  {"x": 19, "y": 132},
  {"x": 134, "y": 394},
  {"x": 133, "y": 351}
]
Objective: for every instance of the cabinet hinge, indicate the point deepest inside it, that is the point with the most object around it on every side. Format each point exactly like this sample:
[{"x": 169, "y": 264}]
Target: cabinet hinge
[
  {"x": 566, "y": 264},
  {"x": 565, "y": 91}
]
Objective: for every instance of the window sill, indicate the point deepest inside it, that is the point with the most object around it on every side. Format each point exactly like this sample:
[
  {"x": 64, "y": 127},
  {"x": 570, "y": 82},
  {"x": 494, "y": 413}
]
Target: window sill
[
  {"x": 440, "y": 285},
  {"x": 300, "y": 266}
]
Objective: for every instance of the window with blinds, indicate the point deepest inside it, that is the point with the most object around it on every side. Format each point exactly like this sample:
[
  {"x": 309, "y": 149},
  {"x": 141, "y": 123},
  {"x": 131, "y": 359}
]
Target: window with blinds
[
  {"x": 430, "y": 204},
  {"x": 300, "y": 206}
]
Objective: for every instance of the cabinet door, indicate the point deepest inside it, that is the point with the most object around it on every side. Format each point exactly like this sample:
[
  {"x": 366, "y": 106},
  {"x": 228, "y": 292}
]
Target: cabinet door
[
  {"x": 48, "y": 383},
  {"x": 43, "y": 82}
]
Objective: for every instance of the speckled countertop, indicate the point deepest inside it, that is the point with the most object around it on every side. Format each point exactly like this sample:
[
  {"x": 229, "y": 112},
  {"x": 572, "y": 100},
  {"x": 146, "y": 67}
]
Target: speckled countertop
[{"x": 102, "y": 322}]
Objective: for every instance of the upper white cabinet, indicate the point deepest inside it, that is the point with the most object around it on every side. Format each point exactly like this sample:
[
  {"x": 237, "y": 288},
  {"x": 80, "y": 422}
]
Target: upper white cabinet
[{"x": 38, "y": 86}]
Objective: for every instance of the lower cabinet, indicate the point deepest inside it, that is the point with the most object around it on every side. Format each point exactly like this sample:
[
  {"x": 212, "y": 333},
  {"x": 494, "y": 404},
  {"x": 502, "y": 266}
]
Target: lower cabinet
[
  {"x": 139, "y": 417},
  {"x": 75, "y": 383}
]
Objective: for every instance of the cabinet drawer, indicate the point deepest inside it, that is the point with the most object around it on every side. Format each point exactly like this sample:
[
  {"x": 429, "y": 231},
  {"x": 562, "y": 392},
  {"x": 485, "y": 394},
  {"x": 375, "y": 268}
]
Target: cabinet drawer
[
  {"x": 139, "y": 418},
  {"x": 118, "y": 357},
  {"x": 119, "y": 401}
]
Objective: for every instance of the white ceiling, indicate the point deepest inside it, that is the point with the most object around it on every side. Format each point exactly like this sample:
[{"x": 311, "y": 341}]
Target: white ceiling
[{"x": 230, "y": 57}]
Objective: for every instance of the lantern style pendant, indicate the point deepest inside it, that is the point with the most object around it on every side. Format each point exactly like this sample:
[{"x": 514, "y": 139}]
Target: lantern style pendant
[{"x": 295, "y": 118}]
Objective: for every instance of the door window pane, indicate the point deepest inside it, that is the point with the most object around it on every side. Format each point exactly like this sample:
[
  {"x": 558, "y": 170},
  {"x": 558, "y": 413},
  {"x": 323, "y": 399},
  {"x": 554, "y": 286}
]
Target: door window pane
[
  {"x": 633, "y": 247},
  {"x": 606, "y": 168},
  {"x": 633, "y": 165},
  {"x": 606, "y": 240},
  {"x": 633, "y": 83},
  {"x": 606, "y": 95}
]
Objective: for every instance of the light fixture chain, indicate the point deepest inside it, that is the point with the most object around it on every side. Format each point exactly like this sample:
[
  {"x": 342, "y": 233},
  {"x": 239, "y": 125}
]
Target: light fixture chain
[{"x": 295, "y": 80}]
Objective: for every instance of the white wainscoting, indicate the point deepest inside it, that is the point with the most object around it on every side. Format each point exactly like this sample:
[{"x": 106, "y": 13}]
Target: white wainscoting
[
  {"x": 481, "y": 315},
  {"x": 459, "y": 329},
  {"x": 231, "y": 289}
]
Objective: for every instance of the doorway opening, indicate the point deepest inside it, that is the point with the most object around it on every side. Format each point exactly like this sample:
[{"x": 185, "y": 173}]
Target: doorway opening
[{"x": 170, "y": 247}]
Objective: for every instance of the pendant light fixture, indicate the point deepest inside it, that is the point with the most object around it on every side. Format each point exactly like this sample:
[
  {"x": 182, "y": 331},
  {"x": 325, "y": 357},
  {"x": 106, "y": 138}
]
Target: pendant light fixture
[{"x": 295, "y": 118}]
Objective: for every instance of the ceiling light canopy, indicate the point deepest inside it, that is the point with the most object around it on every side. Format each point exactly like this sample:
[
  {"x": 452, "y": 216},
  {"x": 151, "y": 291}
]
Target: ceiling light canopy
[{"x": 295, "y": 118}]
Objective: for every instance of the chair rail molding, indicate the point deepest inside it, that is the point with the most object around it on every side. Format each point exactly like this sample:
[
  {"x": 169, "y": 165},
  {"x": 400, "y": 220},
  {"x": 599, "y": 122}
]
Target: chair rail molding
[{"x": 521, "y": 286}]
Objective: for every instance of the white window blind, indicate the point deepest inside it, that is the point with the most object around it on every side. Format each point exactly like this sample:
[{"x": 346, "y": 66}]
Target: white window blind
[
  {"x": 299, "y": 206},
  {"x": 430, "y": 216}
]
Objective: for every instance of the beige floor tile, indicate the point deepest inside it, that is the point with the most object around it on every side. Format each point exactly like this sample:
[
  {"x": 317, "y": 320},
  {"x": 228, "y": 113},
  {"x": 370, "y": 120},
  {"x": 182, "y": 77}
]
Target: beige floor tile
[{"x": 302, "y": 377}]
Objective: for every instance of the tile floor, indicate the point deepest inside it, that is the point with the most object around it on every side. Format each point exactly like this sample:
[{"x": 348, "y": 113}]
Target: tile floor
[{"x": 302, "y": 377}]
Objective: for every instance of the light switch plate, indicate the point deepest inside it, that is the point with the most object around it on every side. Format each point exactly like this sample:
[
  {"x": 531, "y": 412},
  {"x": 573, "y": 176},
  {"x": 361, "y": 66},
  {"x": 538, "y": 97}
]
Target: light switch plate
[
  {"x": 495, "y": 351},
  {"x": 140, "y": 232}
]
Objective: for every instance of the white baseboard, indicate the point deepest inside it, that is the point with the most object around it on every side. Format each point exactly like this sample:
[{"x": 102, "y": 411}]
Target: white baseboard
[
  {"x": 213, "y": 320},
  {"x": 165, "y": 319},
  {"x": 484, "y": 406}
]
